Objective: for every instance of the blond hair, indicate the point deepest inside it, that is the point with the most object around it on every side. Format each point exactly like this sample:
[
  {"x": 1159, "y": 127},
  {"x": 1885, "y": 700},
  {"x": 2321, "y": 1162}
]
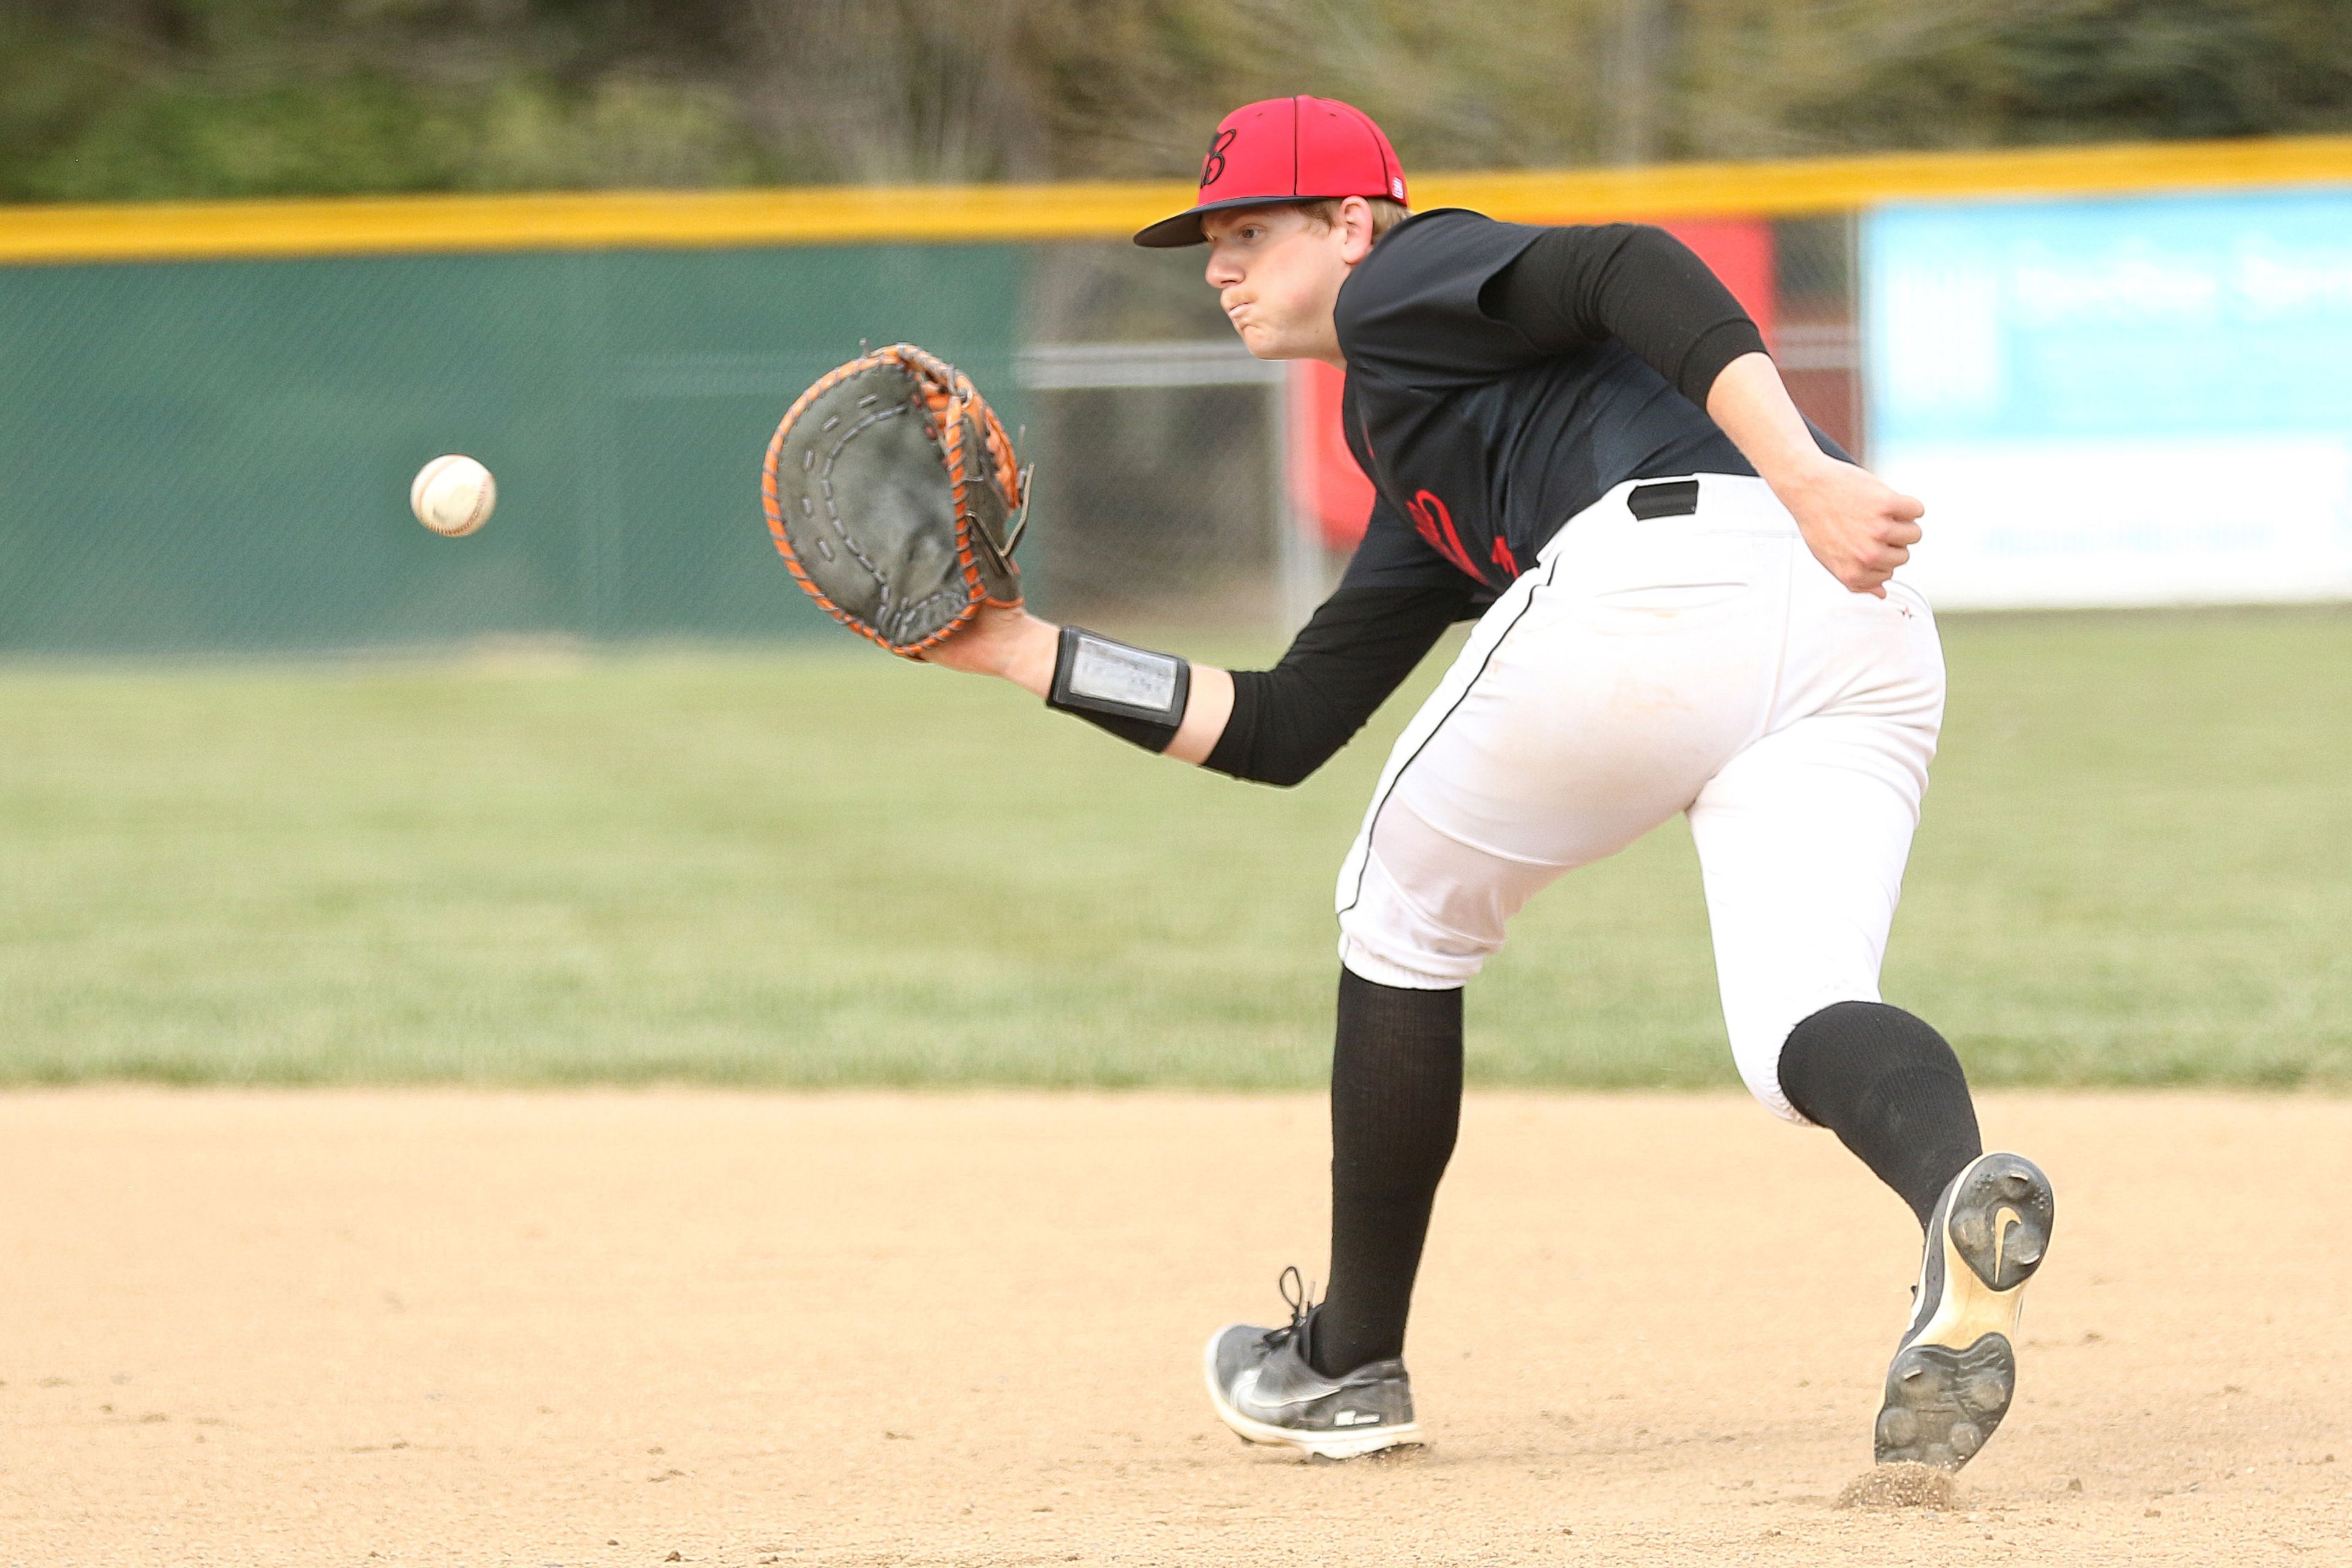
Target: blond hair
[{"x": 1386, "y": 213}]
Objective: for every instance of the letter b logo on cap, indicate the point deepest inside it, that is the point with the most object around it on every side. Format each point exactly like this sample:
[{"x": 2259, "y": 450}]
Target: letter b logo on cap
[{"x": 1212, "y": 167}]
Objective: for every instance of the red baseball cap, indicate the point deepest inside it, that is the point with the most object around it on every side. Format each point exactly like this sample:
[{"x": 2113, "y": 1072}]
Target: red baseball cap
[{"x": 1298, "y": 149}]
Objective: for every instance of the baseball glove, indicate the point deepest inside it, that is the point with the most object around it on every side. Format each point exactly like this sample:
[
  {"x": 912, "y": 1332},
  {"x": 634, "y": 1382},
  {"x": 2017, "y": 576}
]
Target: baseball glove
[{"x": 894, "y": 495}]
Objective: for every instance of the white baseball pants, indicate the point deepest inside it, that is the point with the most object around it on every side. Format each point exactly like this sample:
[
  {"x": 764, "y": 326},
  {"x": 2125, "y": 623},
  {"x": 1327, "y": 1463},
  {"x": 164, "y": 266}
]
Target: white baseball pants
[{"x": 1705, "y": 664}]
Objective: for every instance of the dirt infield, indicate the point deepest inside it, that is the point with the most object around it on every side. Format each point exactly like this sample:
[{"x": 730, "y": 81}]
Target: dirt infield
[{"x": 624, "y": 1329}]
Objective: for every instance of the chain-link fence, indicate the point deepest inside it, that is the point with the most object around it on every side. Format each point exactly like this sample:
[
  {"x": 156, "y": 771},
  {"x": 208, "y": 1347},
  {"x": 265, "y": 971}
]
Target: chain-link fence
[
  {"x": 1161, "y": 485},
  {"x": 1169, "y": 461}
]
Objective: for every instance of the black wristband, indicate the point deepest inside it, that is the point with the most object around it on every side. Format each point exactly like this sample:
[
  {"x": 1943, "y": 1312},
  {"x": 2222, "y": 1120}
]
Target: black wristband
[{"x": 1133, "y": 692}]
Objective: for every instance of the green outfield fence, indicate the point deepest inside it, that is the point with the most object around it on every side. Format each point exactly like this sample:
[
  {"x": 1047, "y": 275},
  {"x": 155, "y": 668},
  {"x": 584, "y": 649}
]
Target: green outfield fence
[
  {"x": 216, "y": 454},
  {"x": 209, "y": 414}
]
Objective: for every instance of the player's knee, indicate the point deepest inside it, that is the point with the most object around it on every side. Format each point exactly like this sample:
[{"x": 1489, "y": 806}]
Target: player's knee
[
  {"x": 1842, "y": 1054},
  {"x": 1387, "y": 938},
  {"x": 1760, "y": 1031},
  {"x": 1387, "y": 941},
  {"x": 1390, "y": 936}
]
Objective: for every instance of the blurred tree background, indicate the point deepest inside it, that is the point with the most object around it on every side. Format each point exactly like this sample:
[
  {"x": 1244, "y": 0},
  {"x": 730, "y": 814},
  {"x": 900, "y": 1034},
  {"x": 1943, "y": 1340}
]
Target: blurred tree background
[{"x": 154, "y": 98}]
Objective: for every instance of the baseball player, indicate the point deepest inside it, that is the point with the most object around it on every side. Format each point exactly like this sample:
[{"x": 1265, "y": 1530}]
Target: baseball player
[{"x": 1685, "y": 600}]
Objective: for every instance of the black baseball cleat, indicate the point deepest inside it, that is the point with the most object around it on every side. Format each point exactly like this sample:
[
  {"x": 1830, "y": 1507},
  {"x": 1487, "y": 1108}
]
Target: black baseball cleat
[
  {"x": 1264, "y": 1390},
  {"x": 1956, "y": 1370}
]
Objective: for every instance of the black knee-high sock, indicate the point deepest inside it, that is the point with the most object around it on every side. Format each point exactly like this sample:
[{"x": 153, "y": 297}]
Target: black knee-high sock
[
  {"x": 1888, "y": 1085},
  {"x": 1396, "y": 1104}
]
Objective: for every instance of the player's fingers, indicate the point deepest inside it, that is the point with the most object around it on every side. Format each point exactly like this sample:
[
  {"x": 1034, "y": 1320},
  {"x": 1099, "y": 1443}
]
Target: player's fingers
[
  {"x": 1903, "y": 533},
  {"x": 1907, "y": 507},
  {"x": 1869, "y": 571}
]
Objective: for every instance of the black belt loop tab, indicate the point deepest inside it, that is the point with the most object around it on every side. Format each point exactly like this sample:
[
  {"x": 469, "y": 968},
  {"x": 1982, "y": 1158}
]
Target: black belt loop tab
[{"x": 1671, "y": 498}]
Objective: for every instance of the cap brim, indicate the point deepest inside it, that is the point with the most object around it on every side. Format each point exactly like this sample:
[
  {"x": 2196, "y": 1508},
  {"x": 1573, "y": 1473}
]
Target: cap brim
[{"x": 1184, "y": 228}]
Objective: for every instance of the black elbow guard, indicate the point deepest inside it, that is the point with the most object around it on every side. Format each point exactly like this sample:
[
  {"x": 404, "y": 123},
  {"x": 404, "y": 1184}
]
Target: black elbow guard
[{"x": 1134, "y": 693}]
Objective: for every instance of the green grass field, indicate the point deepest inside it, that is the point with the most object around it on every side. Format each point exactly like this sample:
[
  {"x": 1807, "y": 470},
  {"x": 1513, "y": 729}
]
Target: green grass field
[{"x": 831, "y": 868}]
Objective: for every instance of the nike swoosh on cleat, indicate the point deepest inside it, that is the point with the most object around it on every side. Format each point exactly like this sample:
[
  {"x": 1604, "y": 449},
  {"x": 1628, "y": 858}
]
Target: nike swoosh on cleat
[{"x": 2000, "y": 1237}]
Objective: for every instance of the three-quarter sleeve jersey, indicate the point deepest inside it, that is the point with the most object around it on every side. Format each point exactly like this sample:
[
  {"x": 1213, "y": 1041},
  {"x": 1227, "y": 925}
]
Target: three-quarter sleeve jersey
[{"x": 1502, "y": 377}]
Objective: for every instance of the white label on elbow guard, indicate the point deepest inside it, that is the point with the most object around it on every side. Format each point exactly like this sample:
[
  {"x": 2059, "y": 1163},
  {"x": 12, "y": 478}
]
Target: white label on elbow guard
[{"x": 1109, "y": 673}]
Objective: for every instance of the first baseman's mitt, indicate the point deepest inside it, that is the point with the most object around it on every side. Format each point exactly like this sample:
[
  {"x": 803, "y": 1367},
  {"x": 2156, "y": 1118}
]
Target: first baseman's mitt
[{"x": 892, "y": 493}]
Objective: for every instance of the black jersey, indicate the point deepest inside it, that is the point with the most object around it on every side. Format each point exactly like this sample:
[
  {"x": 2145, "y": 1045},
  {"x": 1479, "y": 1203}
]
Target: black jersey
[
  {"x": 1483, "y": 426},
  {"x": 1500, "y": 380}
]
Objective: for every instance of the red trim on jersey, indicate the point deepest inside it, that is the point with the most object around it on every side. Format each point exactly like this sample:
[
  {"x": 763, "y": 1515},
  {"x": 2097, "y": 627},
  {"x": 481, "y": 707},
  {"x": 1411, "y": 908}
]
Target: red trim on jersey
[{"x": 1435, "y": 524}]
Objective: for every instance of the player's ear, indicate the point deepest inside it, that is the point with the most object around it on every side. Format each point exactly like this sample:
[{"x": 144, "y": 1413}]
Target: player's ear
[{"x": 1356, "y": 232}]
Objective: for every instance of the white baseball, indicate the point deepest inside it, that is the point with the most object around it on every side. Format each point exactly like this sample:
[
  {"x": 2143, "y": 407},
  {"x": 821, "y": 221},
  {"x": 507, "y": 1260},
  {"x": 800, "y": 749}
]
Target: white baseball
[{"x": 452, "y": 495}]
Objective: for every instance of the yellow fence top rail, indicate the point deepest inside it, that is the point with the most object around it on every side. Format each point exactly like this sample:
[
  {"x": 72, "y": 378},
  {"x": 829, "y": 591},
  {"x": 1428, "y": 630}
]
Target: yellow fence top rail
[{"x": 947, "y": 213}]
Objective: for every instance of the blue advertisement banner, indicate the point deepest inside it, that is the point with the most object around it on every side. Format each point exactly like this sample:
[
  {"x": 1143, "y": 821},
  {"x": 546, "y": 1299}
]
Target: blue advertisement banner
[{"x": 2125, "y": 400}]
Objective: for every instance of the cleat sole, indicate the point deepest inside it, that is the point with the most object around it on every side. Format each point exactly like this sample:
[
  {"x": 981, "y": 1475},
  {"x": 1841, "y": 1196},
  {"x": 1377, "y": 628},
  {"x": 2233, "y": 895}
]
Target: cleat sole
[
  {"x": 1952, "y": 1382},
  {"x": 1941, "y": 1404}
]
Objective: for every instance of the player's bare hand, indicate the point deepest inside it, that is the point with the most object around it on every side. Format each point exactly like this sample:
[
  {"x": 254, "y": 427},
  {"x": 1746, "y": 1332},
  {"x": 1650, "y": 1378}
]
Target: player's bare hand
[
  {"x": 1011, "y": 643},
  {"x": 1857, "y": 525}
]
